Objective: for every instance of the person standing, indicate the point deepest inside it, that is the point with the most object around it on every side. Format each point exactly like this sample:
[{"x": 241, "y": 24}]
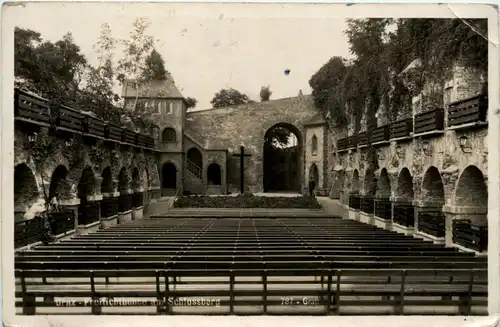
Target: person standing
[{"x": 312, "y": 185}]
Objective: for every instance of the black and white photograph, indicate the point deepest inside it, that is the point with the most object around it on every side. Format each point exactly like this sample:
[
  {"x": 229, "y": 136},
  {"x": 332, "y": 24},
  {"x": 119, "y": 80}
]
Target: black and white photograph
[{"x": 249, "y": 159}]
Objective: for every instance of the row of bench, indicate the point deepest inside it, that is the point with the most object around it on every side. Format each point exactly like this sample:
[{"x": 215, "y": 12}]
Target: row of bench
[{"x": 317, "y": 265}]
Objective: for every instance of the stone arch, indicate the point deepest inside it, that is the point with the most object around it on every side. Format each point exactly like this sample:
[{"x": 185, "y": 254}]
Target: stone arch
[
  {"x": 472, "y": 190},
  {"x": 25, "y": 188},
  {"x": 314, "y": 173},
  {"x": 136, "y": 180},
  {"x": 355, "y": 182},
  {"x": 214, "y": 174},
  {"x": 432, "y": 186},
  {"x": 86, "y": 184},
  {"x": 107, "y": 181},
  {"x": 383, "y": 188},
  {"x": 282, "y": 165},
  {"x": 169, "y": 135},
  {"x": 123, "y": 180},
  {"x": 168, "y": 176},
  {"x": 194, "y": 155},
  {"x": 369, "y": 182},
  {"x": 58, "y": 182},
  {"x": 314, "y": 144},
  {"x": 404, "y": 187}
]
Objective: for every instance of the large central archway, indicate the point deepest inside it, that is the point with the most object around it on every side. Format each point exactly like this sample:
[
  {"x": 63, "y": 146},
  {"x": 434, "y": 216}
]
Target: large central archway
[{"x": 283, "y": 164}]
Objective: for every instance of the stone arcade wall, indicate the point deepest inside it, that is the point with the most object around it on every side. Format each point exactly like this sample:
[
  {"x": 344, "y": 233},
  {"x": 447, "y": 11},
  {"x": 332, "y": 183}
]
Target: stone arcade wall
[
  {"x": 79, "y": 159},
  {"x": 230, "y": 127},
  {"x": 443, "y": 169}
]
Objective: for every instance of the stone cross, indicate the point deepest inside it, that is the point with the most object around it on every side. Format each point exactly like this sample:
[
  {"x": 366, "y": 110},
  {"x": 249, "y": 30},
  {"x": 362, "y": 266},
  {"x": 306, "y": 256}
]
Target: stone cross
[{"x": 242, "y": 156}]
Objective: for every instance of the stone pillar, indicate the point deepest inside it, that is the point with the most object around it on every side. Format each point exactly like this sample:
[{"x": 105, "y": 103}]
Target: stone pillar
[
  {"x": 137, "y": 210},
  {"x": 450, "y": 176},
  {"x": 405, "y": 204},
  {"x": 83, "y": 229},
  {"x": 70, "y": 205},
  {"x": 109, "y": 200},
  {"x": 477, "y": 216},
  {"x": 366, "y": 217},
  {"x": 125, "y": 215},
  {"x": 98, "y": 183}
]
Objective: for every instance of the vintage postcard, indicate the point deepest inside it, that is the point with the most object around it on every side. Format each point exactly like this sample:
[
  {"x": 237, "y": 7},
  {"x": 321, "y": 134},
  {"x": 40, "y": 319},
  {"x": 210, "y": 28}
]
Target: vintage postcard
[{"x": 249, "y": 164}]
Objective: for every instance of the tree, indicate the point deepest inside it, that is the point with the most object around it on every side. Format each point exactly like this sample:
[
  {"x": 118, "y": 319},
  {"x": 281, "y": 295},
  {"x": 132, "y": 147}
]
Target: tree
[
  {"x": 133, "y": 65},
  {"x": 154, "y": 67},
  {"x": 265, "y": 93},
  {"x": 326, "y": 84},
  {"x": 229, "y": 97},
  {"x": 98, "y": 94},
  {"x": 53, "y": 70},
  {"x": 191, "y": 102}
]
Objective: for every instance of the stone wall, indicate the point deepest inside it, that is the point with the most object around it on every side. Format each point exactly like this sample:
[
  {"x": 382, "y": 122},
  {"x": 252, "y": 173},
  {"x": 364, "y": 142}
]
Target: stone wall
[
  {"x": 461, "y": 172},
  {"x": 317, "y": 157},
  {"x": 35, "y": 164},
  {"x": 229, "y": 128}
]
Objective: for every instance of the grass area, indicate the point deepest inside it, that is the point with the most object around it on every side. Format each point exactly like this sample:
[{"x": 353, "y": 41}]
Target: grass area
[{"x": 246, "y": 201}]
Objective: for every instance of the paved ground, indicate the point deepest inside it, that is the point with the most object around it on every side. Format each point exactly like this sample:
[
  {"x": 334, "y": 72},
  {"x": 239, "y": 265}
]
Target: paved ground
[{"x": 330, "y": 208}]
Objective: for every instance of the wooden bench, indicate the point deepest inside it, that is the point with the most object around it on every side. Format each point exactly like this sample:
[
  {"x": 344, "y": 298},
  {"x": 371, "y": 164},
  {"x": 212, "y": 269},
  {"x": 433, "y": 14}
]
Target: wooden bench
[{"x": 461, "y": 290}]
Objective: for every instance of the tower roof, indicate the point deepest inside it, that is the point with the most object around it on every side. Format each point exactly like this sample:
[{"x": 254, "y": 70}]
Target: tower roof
[{"x": 163, "y": 89}]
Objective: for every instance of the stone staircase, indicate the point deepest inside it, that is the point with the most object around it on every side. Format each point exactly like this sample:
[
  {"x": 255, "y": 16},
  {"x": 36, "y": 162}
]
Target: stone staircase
[{"x": 194, "y": 179}]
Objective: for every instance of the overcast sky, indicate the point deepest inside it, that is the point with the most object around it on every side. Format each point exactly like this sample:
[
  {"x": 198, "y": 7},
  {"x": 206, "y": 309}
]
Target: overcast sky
[{"x": 206, "y": 47}]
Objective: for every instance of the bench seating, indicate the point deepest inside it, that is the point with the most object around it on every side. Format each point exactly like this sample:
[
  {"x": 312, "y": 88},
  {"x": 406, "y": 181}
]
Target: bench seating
[
  {"x": 339, "y": 266},
  {"x": 407, "y": 290}
]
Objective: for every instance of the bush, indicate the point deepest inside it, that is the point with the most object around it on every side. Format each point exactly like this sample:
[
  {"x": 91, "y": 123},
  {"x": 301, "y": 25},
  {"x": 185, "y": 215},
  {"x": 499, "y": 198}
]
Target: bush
[{"x": 246, "y": 201}]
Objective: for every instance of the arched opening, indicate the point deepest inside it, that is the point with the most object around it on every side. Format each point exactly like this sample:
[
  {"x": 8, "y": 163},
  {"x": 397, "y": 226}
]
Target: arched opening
[
  {"x": 404, "y": 213},
  {"x": 404, "y": 188},
  {"x": 169, "y": 135},
  {"x": 471, "y": 189},
  {"x": 369, "y": 183},
  {"x": 107, "y": 181},
  {"x": 123, "y": 181},
  {"x": 355, "y": 182},
  {"x": 88, "y": 212},
  {"x": 314, "y": 173},
  {"x": 432, "y": 187},
  {"x": 314, "y": 145},
  {"x": 383, "y": 189},
  {"x": 471, "y": 195},
  {"x": 383, "y": 206},
  {"x": 282, "y": 159},
  {"x": 194, "y": 156},
  {"x": 352, "y": 188},
  {"x": 58, "y": 182},
  {"x": 214, "y": 174},
  {"x": 169, "y": 176},
  {"x": 86, "y": 185},
  {"x": 431, "y": 220},
  {"x": 25, "y": 190}
]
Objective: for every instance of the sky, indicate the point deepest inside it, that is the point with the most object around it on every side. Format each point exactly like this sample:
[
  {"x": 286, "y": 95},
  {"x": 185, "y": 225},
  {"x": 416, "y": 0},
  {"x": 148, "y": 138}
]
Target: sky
[{"x": 206, "y": 48}]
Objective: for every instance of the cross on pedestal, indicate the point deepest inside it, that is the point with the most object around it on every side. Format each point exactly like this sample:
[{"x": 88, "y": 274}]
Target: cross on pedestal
[{"x": 242, "y": 156}]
